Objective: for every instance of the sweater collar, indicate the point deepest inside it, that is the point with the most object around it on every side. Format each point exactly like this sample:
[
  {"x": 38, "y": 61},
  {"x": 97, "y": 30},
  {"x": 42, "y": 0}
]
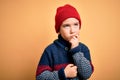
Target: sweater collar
[{"x": 63, "y": 41}]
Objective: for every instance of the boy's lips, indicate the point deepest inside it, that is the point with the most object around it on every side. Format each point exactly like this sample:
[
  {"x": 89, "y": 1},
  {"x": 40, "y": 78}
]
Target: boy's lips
[{"x": 74, "y": 35}]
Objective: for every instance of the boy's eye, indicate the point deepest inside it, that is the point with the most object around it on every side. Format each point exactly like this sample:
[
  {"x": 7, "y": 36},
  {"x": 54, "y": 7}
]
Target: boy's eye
[{"x": 66, "y": 25}]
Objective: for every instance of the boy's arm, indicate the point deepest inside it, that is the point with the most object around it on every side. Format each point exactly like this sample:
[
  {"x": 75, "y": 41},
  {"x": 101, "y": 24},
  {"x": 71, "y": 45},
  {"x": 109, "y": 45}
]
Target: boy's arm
[
  {"x": 50, "y": 75},
  {"x": 85, "y": 68}
]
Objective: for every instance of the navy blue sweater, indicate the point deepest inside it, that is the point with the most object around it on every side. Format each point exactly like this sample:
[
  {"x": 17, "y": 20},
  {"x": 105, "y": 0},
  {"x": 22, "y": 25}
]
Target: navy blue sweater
[{"x": 58, "y": 55}]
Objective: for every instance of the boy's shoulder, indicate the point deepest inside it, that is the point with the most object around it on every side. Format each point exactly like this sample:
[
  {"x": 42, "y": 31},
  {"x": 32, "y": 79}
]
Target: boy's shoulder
[
  {"x": 83, "y": 46},
  {"x": 52, "y": 45}
]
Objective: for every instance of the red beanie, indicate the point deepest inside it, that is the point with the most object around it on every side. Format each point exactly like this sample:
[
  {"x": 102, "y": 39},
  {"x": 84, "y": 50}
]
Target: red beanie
[{"x": 64, "y": 12}]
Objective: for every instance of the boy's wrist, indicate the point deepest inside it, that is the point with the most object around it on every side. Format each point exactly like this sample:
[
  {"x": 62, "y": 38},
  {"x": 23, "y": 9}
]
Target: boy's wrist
[{"x": 61, "y": 74}]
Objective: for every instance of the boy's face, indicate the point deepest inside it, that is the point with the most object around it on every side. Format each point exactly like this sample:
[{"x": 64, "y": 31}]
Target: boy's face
[{"x": 70, "y": 28}]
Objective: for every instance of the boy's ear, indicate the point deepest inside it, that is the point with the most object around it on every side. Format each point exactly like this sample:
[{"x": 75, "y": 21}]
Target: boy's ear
[{"x": 79, "y": 27}]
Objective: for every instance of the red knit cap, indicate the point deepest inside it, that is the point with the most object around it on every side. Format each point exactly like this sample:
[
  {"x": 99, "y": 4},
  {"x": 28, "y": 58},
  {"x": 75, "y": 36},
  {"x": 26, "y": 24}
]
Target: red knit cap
[{"x": 64, "y": 12}]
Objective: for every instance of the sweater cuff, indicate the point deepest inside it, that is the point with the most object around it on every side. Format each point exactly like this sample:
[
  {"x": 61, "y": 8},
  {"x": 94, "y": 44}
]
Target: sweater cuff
[
  {"x": 74, "y": 50},
  {"x": 61, "y": 74}
]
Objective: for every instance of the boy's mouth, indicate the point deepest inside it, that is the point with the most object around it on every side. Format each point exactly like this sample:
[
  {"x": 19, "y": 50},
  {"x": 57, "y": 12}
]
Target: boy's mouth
[{"x": 75, "y": 35}]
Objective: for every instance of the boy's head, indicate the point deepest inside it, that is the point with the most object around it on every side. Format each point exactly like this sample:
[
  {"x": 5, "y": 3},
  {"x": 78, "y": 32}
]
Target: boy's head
[{"x": 64, "y": 12}]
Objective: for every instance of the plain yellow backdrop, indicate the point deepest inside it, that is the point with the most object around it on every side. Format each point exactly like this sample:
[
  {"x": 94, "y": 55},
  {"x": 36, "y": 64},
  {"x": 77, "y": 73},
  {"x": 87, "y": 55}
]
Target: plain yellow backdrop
[{"x": 27, "y": 27}]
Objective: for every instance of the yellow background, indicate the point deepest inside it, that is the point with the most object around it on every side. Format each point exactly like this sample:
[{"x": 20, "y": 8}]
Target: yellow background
[{"x": 27, "y": 27}]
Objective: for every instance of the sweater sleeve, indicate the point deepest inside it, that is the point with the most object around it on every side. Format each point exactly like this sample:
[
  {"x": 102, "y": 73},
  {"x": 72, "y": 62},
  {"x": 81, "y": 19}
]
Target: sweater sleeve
[
  {"x": 48, "y": 75},
  {"x": 51, "y": 75},
  {"x": 82, "y": 61},
  {"x": 84, "y": 67}
]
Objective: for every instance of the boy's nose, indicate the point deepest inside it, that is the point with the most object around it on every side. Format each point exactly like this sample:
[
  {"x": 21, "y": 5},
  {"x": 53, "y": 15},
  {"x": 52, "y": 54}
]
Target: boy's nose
[{"x": 72, "y": 30}]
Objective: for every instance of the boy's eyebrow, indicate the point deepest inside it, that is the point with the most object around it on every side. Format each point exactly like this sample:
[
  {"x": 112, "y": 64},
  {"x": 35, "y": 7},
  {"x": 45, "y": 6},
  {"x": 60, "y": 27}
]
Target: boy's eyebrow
[
  {"x": 65, "y": 23},
  {"x": 76, "y": 23}
]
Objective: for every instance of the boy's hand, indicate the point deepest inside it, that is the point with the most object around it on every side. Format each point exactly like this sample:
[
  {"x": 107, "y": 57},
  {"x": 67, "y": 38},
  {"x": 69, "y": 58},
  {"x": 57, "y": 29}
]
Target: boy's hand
[
  {"x": 74, "y": 41},
  {"x": 70, "y": 71}
]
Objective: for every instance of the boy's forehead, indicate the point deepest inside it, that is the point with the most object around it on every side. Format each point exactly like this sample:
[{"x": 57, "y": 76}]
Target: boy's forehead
[{"x": 70, "y": 20}]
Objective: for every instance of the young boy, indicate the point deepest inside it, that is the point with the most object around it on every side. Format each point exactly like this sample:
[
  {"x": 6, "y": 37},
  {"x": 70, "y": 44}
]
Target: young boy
[{"x": 66, "y": 58}]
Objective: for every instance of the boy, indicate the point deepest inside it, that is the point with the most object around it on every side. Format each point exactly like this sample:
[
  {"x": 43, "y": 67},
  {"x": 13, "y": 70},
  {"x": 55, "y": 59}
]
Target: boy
[{"x": 66, "y": 58}]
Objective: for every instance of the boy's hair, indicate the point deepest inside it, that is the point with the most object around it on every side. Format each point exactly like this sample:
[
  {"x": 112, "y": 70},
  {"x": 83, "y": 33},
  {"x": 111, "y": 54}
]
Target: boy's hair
[{"x": 64, "y": 12}]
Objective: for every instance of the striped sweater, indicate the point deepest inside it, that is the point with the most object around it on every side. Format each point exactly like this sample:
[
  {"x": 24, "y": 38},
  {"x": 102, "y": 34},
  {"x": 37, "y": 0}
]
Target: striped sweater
[{"x": 58, "y": 55}]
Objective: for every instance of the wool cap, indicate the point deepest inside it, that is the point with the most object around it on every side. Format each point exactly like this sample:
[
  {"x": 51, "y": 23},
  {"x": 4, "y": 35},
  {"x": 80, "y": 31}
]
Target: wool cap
[{"x": 64, "y": 12}]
